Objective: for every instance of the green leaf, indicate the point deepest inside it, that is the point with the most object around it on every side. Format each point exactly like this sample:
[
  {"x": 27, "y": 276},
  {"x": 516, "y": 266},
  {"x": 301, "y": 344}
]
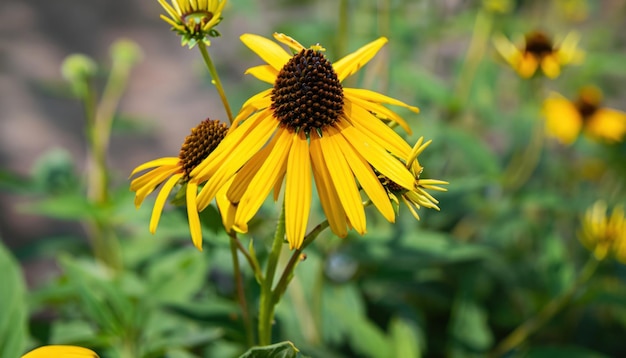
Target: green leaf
[
  {"x": 279, "y": 350},
  {"x": 405, "y": 338},
  {"x": 563, "y": 352},
  {"x": 469, "y": 327},
  {"x": 13, "y": 313},
  {"x": 176, "y": 276}
]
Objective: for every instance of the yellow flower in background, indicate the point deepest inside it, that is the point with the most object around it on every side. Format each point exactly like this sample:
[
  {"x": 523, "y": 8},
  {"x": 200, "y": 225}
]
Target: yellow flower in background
[
  {"x": 307, "y": 123},
  {"x": 604, "y": 235},
  {"x": 418, "y": 196},
  {"x": 194, "y": 20},
  {"x": 61, "y": 351},
  {"x": 538, "y": 51},
  {"x": 498, "y": 6},
  {"x": 565, "y": 119},
  {"x": 203, "y": 139}
]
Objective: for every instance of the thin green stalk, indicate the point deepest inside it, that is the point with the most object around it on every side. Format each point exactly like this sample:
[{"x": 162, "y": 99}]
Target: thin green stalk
[
  {"x": 216, "y": 79},
  {"x": 267, "y": 305},
  {"x": 251, "y": 258},
  {"x": 241, "y": 296},
  {"x": 522, "y": 332},
  {"x": 342, "y": 31}
]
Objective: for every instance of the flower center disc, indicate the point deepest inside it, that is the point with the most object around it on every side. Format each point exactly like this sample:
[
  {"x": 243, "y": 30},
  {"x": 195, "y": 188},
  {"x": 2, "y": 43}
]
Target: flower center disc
[
  {"x": 307, "y": 93},
  {"x": 539, "y": 44},
  {"x": 203, "y": 139}
]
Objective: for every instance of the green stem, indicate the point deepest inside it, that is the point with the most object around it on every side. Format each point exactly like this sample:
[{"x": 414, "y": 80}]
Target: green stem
[
  {"x": 216, "y": 79},
  {"x": 267, "y": 305},
  {"x": 342, "y": 31},
  {"x": 241, "y": 296},
  {"x": 522, "y": 332},
  {"x": 251, "y": 258}
]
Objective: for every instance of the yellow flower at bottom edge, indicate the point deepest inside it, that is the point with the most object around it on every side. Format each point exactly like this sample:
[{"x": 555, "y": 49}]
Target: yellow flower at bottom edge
[
  {"x": 565, "y": 119},
  {"x": 308, "y": 123},
  {"x": 203, "y": 139},
  {"x": 418, "y": 196},
  {"x": 61, "y": 351},
  {"x": 604, "y": 235},
  {"x": 539, "y": 52}
]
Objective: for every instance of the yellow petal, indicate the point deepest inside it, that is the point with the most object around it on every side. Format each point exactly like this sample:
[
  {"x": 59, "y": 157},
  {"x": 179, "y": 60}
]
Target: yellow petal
[
  {"x": 290, "y": 42},
  {"x": 326, "y": 191},
  {"x": 377, "y": 156},
  {"x": 607, "y": 124},
  {"x": 169, "y": 9},
  {"x": 377, "y": 130},
  {"x": 377, "y": 109},
  {"x": 354, "y": 61},
  {"x": 568, "y": 51},
  {"x": 226, "y": 208},
  {"x": 264, "y": 179},
  {"x": 265, "y": 73},
  {"x": 236, "y": 149},
  {"x": 192, "y": 215},
  {"x": 509, "y": 52},
  {"x": 146, "y": 183},
  {"x": 343, "y": 179},
  {"x": 246, "y": 174},
  {"x": 563, "y": 121},
  {"x": 61, "y": 351},
  {"x": 550, "y": 66},
  {"x": 527, "y": 65},
  {"x": 168, "y": 161},
  {"x": 367, "y": 179},
  {"x": 297, "y": 191},
  {"x": 257, "y": 102},
  {"x": 160, "y": 201},
  {"x": 267, "y": 50}
]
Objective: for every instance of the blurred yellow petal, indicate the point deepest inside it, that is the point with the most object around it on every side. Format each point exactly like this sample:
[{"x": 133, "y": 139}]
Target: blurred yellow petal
[
  {"x": 607, "y": 124},
  {"x": 550, "y": 66},
  {"x": 509, "y": 52},
  {"x": 563, "y": 121},
  {"x": 527, "y": 65}
]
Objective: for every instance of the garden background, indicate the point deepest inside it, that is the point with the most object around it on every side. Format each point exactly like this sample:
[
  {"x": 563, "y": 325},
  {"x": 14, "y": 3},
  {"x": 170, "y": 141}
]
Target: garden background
[{"x": 504, "y": 246}]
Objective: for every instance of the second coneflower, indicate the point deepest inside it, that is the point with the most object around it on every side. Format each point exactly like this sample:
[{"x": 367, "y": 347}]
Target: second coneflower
[
  {"x": 308, "y": 123},
  {"x": 171, "y": 171},
  {"x": 602, "y": 234},
  {"x": 539, "y": 51},
  {"x": 566, "y": 119},
  {"x": 418, "y": 196}
]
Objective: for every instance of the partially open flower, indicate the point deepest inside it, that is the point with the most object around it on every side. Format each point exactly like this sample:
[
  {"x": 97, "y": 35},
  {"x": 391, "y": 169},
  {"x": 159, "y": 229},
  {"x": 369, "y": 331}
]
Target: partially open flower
[
  {"x": 604, "y": 235},
  {"x": 203, "y": 139},
  {"x": 539, "y": 51},
  {"x": 194, "y": 20},
  {"x": 418, "y": 196},
  {"x": 565, "y": 119}
]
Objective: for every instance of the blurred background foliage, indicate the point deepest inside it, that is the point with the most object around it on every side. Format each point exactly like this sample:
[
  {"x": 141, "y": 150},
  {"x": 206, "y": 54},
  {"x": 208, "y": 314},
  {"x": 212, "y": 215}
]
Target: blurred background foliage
[{"x": 503, "y": 247}]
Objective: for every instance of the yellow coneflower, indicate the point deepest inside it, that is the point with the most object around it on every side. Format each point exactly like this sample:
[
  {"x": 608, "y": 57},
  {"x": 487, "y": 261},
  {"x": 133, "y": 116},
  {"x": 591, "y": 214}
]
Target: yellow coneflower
[
  {"x": 194, "y": 20},
  {"x": 418, "y": 196},
  {"x": 604, "y": 235},
  {"x": 61, "y": 351},
  {"x": 539, "y": 51},
  {"x": 308, "y": 123},
  {"x": 565, "y": 119},
  {"x": 203, "y": 139}
]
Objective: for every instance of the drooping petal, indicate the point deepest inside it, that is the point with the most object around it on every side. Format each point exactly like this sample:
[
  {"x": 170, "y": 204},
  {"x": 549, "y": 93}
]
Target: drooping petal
[
  {"x": 377, "y": 156},
  {"x": 367, "y": 179},
  {"x": 527, "y": 65},
  {"x": 192, "y": 215},
  {"x": 343, "y": 179},
  {"x": 267, "y": 50},
  {"x": 563, "y": 121},
  {"x": 265, "y": 178},
  {"x": 377, "y": 130},
  {"x": 327, "y": 193},
  {"x": 509, "y": 52},
  {"x": 265, "y": 73},
  {"x": 297, "y": 191},
  {"x": 568, "y": 51},
  {"x": 168, "y": 161},
  {"x": 257, "y": 102},
  {"x": 160, "y": 201},
  {"x": 226, "y": 208},
  {"x": 150, "y": 181},
  {"x": 354, "y": 61}
]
